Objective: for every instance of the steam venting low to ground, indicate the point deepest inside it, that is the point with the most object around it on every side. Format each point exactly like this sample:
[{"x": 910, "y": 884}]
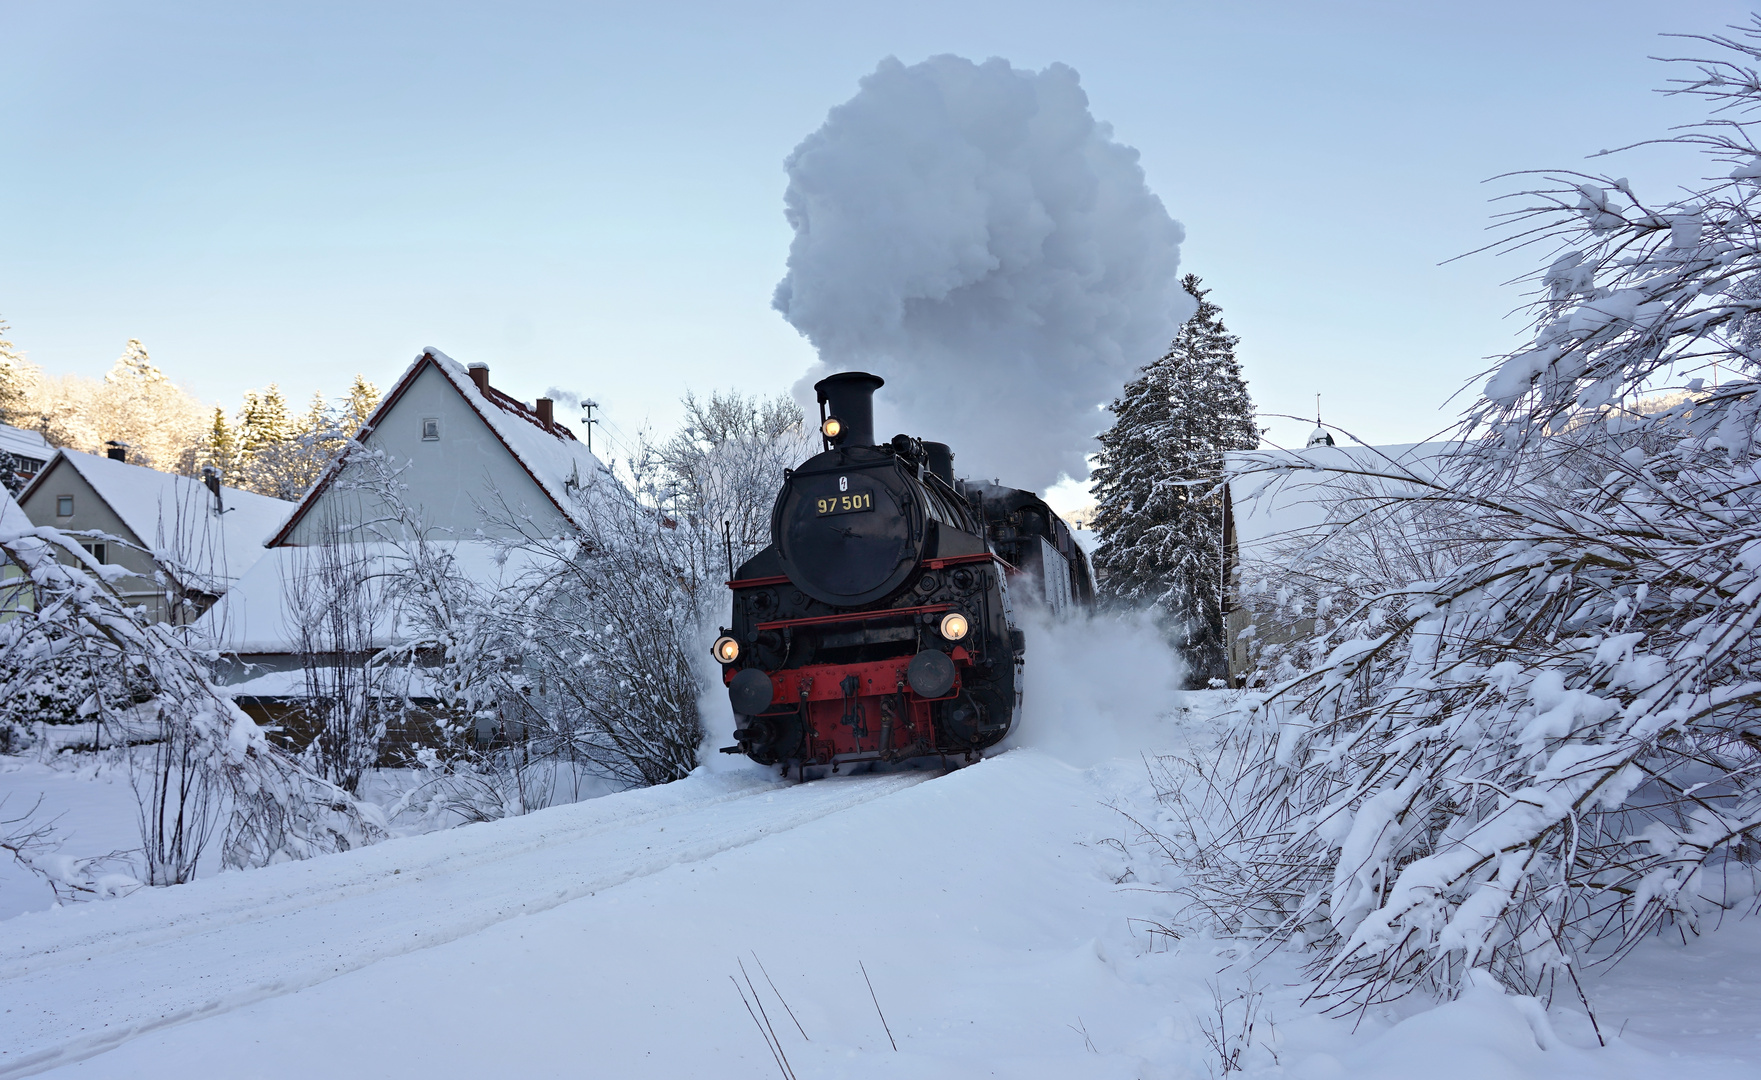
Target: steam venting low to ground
[
  {"x": 1097, "y": 686},
  {"x": 973, "y": 234}
]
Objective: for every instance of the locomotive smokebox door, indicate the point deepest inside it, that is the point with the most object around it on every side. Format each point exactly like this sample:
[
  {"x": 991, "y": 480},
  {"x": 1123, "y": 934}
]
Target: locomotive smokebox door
[
  {"x": 750, "y": 692},
  {"x": 931, "y": 673}
]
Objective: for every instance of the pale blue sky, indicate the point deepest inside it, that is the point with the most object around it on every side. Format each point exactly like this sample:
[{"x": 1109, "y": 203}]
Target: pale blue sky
[{"x": 589, "y": 196}]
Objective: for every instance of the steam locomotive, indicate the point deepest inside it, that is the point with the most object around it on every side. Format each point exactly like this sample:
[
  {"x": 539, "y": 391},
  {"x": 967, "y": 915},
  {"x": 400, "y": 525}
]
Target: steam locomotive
[{"x": 879, "y": 625}]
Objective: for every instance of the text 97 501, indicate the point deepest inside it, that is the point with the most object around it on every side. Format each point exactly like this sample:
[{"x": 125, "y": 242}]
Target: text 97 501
[{"x": 844, "y": 504}]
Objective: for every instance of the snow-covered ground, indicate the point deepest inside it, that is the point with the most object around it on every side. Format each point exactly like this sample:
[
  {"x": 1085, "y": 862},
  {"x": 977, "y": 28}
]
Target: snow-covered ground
[
  {"x": 87, "y": 804},
  {"x": 995, "y": 916}
]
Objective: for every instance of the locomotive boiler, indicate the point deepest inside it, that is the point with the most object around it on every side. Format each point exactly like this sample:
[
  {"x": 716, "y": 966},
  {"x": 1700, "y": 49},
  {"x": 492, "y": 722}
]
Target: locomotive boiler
[{"x": 879, "y": 625}]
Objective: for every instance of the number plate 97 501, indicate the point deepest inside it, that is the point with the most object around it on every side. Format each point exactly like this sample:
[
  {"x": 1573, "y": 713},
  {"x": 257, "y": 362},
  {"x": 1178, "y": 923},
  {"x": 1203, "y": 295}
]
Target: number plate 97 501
[{"x": 852, "y": 503}]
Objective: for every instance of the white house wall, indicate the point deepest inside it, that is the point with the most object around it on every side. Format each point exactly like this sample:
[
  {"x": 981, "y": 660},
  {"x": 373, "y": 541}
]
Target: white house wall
[
  {"x": 448, "y": 478},
  {"x": 92, "y": 514}
]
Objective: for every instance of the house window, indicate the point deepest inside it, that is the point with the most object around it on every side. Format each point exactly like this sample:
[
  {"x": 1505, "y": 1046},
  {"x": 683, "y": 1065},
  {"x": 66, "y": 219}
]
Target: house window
[
  {"x": 64, "y": 506},
  {"x": 96, "y": 550},
  {"x": 430, "y": 428}
]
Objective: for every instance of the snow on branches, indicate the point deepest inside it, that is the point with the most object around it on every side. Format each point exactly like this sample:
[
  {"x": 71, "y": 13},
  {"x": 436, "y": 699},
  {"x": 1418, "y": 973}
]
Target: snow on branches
[
  {"x": 205, "y": 771},
  {"x": 1535, "y": 750}
]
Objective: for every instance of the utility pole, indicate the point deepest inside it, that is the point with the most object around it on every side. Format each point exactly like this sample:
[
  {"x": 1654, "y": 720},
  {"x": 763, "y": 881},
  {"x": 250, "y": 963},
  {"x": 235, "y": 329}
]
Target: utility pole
[{"x": 589, "y": 404}]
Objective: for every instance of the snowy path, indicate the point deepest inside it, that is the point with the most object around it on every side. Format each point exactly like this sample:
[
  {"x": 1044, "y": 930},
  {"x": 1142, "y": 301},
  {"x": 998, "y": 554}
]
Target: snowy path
[{"x": 79, "y": 981}]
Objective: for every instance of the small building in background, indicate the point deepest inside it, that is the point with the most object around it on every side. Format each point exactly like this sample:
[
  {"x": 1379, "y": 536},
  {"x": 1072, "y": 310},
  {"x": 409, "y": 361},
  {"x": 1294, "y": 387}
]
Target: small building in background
[
  {"x": 1287, "y": 511},
  {"x": 23, "y": 454},
  {"x": 183, "y": 541}
]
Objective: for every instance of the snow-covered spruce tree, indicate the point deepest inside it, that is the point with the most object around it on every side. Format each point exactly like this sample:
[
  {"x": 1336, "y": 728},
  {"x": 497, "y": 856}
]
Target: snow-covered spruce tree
[
  {"x": 1555, "y": 747},
  {"x": 219, "y": 449},
  {"x": 1159, "y": 513}
]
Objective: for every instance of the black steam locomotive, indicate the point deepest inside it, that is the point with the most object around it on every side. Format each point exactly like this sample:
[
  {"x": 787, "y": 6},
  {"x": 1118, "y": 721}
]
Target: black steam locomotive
[{"x": 878, "y": 625}]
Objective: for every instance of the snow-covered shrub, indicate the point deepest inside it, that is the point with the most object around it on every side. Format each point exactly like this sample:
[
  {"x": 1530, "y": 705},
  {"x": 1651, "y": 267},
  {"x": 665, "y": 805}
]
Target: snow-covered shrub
[
  {"x": 336, "y": 594},
  {"x": 210, "y": 772},
  {"x": 1546, "y": 743},
  {"x": 586, "y": 666},
  {"x": 68, "y": 683},
  {"x": 614, "y": 623}
]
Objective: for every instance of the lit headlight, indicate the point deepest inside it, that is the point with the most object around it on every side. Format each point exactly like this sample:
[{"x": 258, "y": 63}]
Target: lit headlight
[
  {"x": 832, "y": 427},
  {"x": 726, "y": 649},
  {"x": 954, "y": 626}
]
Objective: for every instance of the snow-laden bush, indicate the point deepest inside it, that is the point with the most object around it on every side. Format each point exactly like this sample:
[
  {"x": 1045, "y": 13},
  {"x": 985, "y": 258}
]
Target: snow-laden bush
[
  {"x": 1545, "y": 741},
  {"x": 613, "y": 623},
  {"x": 585, "y": 666},
  {"x": 206, "y": 771}
]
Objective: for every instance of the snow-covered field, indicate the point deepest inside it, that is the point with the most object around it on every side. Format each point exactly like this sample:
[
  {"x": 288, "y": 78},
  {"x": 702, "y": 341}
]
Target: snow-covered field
[{"x": 998, "y": 920}]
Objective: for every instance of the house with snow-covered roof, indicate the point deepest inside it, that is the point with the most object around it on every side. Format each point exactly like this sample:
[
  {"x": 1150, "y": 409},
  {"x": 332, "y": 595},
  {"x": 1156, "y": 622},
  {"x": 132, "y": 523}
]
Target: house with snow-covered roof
[
  {"x": 1278, "y": 503},
  {"x": 465, "y": 457},
  {"x": 183, "y": 541},
  {"x": 23, "y": 453}
]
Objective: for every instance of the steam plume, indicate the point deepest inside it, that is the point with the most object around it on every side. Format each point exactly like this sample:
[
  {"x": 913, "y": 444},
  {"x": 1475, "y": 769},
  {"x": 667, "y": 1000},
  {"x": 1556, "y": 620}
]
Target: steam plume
[{"x": 973, "y": 234}]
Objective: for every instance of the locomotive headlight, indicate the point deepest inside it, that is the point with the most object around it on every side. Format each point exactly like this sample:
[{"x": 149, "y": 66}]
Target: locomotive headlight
[
  {"x": 726, "y": 649},
  {"x": 954, "y": 626},
  {"x": 832, "y": 427}
]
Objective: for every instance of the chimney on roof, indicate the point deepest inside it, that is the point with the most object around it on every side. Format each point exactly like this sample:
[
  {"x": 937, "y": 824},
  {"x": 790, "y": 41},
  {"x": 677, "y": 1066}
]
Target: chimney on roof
[
  {"x": 547, "y": 413},
  {"x": 211, "y": 479},
  {"x": 480, "y": 376},
  {"x": 116, "y": 451}
]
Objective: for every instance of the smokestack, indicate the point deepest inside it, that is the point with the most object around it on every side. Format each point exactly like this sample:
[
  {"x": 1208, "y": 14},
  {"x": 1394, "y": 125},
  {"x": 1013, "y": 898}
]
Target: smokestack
[
  {"x": 849, "y": 396},
  {"x": 547, "y": 413},
  {"x": 480, "y": 376},
  {"x": 116, "y": 451},
  {"x": 941, "y": 460}
]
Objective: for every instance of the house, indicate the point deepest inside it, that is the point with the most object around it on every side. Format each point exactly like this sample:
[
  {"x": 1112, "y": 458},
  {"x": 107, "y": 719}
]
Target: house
[
  {"x": 1280, "y": 502},
  {"x": 23, "y": 454},
  {"x": 184, "y": 541},
  {"x": 465, "y": 455}
]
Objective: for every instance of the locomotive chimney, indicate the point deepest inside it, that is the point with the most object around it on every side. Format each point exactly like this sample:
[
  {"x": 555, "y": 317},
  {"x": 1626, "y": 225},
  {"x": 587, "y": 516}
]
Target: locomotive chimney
[
  {"x": 941, "y": 460},
  {"x": 848, "y": 397}
]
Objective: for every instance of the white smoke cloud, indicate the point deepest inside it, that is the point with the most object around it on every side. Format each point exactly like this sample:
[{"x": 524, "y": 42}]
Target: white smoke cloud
[{"x": 971, "y": 233}]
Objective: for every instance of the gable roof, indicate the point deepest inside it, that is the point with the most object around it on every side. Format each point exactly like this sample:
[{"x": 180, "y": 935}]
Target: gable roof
[
  {"x": 1284, "y": 495},
  {"x": 552, "y": 456},
  {"x": 24, "y": 443},
  {"x": 150, "y": 502}
]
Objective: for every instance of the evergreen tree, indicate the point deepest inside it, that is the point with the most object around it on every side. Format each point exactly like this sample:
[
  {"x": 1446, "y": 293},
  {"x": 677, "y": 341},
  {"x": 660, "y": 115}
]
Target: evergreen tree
[
  {"x": 1161, "y": 528},
  {"x": 17, "y": 378},
  {"x": 220, "y": 448},
  {"x": 138, "y": 405},
  {"x": 270, "y": 458},
  {"x": 263, "y": 423},
  {"x": 363, "y": 398}
]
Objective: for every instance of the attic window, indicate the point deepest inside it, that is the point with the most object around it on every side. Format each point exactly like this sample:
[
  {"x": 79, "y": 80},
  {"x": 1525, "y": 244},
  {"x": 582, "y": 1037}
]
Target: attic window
[
  {"x": 64, "y": 506},
  {"x": 430, "y": 428}
]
